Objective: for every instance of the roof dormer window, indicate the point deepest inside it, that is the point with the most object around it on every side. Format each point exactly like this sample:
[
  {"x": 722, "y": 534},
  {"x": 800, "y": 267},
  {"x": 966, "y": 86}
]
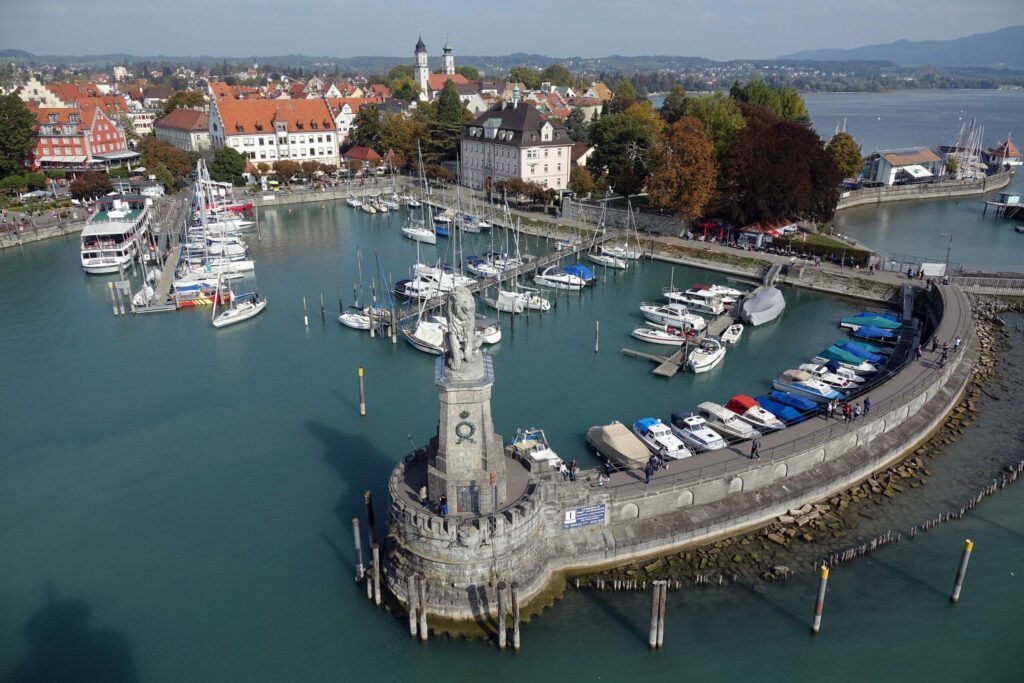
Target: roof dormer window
[
  {"x": 73, "y": 118},
  {"x": 299, "y": 125},
  {"x": 313, "y": 125},
  {"x": 52, "y": 118}
]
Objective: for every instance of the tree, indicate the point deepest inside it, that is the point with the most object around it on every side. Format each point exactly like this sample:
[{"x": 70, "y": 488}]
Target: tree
[
  {"x": 91, "y": 184},
  {"x": 525, "y": 75},
  {"x": 284, "y": 170},
  {"x": 846, "y": 153},
  {"x": 674, "y": 106},
  {"x": 780, "y": 171},
  {"x": 125, "y": 123},
  {"x": 644, "y": 113},
  {"x": 35, "y": 181},
  {"x": 580, "y": 181},
  {"x": 56, "y": 174},
  {"x": 355, "y": 166},
  {"x": 13, "y": 182},
  {"x": 784, "y": 102},
  {"x": 397, "y": 73},
  {"x": 721, "y": 117},
  {"x": 399, "y": 133},
  {"x": 405, "y": 89},
  {"x": 577, "y": 125},
  {"x": 558, "y": 74},
  {"x": 16, "y": 133},
  {"x": 163, "y": 176},
  {"x": 227, "y": 166},
  {"x": 469, "y": 72},
  {"x": 624, "y": 96},
  {"x": 365, "y": 130},
  {"x": 792, "y": 107},
  {"x": 189, "y": 99},
  {"x": 159, "y": 152},
  {"x": 684, "y": 175},
  {"x": 310, "y": 168},
  {"x": 622, "y": 147},
  {"x": 449, "y": 106},
  {"x": 263, "y": 168}
]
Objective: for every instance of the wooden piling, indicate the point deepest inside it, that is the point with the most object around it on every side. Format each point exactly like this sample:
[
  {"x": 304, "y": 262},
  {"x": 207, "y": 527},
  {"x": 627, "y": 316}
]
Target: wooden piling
[
  {"x": 376, "y": 574},
  {"x": 597, "y": 336},
  {"x": 652, "y": 639},
  {"x": 502, "y": 630},
  {"x": 362, "y": 393},
  {"x": 410, "y": 602},
  {"x": 113, "y": 297},
  {"x": 421, "y": 582},
  {"x": 515, "y": 615},
  {"x": 964, "y": 559},
  {"x": 819, "y": 604},
  {"x": 323, "y": 312},
  {"x": 371, "y": 529},
  {"x": 663, "y": 599},
  {"x": 360, "y": 571},
  {"x": 305, "y": 313}
]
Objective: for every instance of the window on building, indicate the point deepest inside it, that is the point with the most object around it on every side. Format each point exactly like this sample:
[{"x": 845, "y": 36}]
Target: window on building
[
  {"x": 559, "y": 151},
  {"x": 545, "y": 153},
  {"x": 533, "y": 169},
  {"x": 545, "y": 168},
  {"x": 52, "y": 118}
]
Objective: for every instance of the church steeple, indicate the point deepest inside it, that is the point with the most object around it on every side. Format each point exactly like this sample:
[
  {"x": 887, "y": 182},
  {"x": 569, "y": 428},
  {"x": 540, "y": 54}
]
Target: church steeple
[
  {"x": 448, "y": 60},
  {"x": 421, "y": 72},
  {"x": 420, "y": 47}
]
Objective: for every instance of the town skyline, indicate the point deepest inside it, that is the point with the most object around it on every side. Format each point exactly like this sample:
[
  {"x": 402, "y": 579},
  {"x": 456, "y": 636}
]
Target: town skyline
[{"x": 733, "y": 29}]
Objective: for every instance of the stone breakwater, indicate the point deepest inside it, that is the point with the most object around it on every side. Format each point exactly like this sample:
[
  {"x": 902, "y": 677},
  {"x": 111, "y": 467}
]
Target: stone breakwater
[{"x": 797, "y": 538}]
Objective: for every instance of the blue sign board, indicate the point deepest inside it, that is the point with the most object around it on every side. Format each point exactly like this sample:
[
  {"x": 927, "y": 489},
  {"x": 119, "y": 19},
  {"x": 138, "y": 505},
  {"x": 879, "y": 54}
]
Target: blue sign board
[{"x": 584, "y": 516}]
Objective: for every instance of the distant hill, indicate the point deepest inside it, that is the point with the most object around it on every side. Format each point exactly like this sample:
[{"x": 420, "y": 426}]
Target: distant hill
[{"x": 999, "y": 49}]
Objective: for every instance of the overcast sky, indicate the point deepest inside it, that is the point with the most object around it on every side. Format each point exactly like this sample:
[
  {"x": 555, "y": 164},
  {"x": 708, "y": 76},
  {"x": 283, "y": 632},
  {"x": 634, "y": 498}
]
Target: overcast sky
[{"x": 718, "y": 29}]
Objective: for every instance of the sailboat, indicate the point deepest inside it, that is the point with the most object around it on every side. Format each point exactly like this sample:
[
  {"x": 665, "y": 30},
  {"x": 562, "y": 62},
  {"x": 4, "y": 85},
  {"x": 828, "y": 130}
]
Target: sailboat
[
  {"x": 240, "y": 307},
  {"x": 628, "y": 251},
  {"x": 416, "y": 228}
]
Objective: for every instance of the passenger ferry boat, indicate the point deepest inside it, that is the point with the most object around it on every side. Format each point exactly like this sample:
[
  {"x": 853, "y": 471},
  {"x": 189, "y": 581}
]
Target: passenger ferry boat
[{"x": 111, "y": 238}]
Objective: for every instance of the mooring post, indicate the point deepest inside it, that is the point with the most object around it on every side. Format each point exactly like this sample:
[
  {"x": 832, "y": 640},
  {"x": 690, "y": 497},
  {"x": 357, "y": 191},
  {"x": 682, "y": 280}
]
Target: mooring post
[
  {"x": 305, "y": 313},
  {"x": 515, "y": 615},
  {"x": 819, "y": 604},
  {"x": 359, "y": 549},
  {"x": 661, "y": 613},
  {"x": 421, "y": 580},
  {"x": 964, "y": 559},
  {"x": 502, "y": 630},
  {"x": 410, "y": 602},
  {"x": 371, "y": 529},
  {"x": 323, "y": 312},
  {"x": 362, "y": 393},
  {"x": 652, "y": 639},
  {"x": 597, "y": 336},
  {"x": 113, "y": 297},
  {"x": 376, "y": 574}
]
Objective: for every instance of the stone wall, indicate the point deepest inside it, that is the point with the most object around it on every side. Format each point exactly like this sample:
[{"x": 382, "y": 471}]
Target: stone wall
[{"x": 940, "y": 190}]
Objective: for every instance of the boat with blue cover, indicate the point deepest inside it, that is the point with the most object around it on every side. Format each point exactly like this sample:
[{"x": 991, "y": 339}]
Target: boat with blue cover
[
  {"x": 854, "y": 322},
  {"x": 875, "y": 334},
  {"x": 441, "y": 231},
  {"x": 845, "y": 360},
  {"x": 582, "y": 272},
  {"x": 659, "y": 439},
  {"x": 788, "y": 415},
  {"x": 867, "y": 352},
  {"x": 802, "y": 383}
]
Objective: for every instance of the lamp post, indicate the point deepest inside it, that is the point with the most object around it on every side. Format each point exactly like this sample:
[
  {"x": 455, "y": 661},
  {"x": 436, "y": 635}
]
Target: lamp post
[{"x": 949, "y": 248}]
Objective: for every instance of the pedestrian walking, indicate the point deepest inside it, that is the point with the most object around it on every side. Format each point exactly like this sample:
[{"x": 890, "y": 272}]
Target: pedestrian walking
[
  {"x": 847, "y": 412},
  {"x": 942, "y": 360},
  {"x": 828, "y": 410},
  {"x": 573, "y": 470},
  {"x": 867, "y": 406},
  {"x": 648, "y": 472},
  {"x": 956, "y": 345},
  {"x": 423, "y": 496},
  {"x": 919, "y": 352},
  {"x": 755, "y": 446},
  {"x": 608, "y": 467},
  {"x": 442, "y": 506},
  {"x": 856, "y": 410},
  {"x": 935, "y": 344}
]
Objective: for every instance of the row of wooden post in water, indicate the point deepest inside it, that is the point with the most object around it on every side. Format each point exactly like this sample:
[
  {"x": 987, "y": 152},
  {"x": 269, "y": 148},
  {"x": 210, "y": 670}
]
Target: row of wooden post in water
[{"x": 417, "y": 585}]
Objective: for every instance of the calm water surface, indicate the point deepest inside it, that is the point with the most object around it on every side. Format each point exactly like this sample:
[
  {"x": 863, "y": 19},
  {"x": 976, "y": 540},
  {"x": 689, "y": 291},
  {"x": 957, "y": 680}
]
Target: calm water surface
[{"x": 176, "y": 501}]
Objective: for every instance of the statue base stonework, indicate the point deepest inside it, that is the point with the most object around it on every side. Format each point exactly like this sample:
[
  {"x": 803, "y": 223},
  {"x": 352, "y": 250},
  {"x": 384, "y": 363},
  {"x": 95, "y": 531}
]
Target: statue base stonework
[{"x": 466, "y": 461}]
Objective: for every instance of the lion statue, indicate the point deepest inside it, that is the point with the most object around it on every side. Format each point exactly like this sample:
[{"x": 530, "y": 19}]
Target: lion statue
[{"x": 463, "y": 344}]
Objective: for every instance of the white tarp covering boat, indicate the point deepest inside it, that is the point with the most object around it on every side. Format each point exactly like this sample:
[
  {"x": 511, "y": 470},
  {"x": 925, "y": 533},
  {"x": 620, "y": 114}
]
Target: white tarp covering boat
[{"x": 763, "y": 307}]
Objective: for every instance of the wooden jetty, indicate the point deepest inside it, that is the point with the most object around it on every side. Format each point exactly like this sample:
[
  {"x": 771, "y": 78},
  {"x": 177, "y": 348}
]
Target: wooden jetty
[{"x": 668, "y": 366}]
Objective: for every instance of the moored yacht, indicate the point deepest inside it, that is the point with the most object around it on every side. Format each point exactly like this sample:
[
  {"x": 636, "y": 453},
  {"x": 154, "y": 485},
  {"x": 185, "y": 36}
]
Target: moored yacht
[
  {"x": 110, "y": 239},
  {"x": 708, "y": 354},
  {"x": 803, "y": 384},
  {"x": 750, "y": 412},
  {"x": 726, "y": 422},
  {"x": 695, "y": 432},
  {"x": 672, "y": 314},
  {"x": 558, "y": 277},
  {"x": 659, "y": 439}
]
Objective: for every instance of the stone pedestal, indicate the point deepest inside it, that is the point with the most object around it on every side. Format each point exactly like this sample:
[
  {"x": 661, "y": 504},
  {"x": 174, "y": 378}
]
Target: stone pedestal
[{"x": 466, "y": 462}]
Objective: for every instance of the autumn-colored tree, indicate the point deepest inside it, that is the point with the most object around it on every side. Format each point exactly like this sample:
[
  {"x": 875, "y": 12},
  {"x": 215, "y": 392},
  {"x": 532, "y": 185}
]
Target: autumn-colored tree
[
  {"x": 263, "y": 168},
  {"x": 310, "y": 168},
  {"x": 159, "y": 152},
  {"x": 674, "y": 106},
  {"x": 355, "y": 166},
  {"x": 580, "y": 181},
  {"x": 645, "y": 113},
  {"x": 284, "y": 170},
  {"x": 846, "y": 153},
  {"x": 721, "y": 117},
  {"x": 91, "y": 184},
  {"x": 684, "y": 176}
]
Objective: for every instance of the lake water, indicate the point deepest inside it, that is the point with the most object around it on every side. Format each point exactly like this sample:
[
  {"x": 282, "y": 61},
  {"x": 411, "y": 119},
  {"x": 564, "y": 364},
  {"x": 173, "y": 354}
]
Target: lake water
[{"x": 176, "y": 501}]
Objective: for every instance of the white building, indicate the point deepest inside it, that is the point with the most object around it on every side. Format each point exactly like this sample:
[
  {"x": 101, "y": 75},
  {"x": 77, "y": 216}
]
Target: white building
[
  {"x": 515, "y": 141},
  {"x": 186, "y": 129},
  {"x": 899, "y": 166},
  {"x": 273, "y": 130}
]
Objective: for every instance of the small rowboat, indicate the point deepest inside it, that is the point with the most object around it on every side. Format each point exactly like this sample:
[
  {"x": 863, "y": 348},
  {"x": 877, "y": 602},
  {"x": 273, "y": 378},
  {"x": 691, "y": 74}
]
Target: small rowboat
[{"x": 732, "y": 333}]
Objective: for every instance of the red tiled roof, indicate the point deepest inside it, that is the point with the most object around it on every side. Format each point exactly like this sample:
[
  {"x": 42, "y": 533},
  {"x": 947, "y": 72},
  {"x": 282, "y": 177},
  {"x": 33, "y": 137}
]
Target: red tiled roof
[
  {"x": 185, "y": 119},
  {"x": 1006, "y": 149},
  {"x": 437, "y": 81},
  {"x": 363, "y": 154},
  {"x": 241, "y": 116},
  {"x": 380, "y": 90},
  {"x": 578, "y": 150}
]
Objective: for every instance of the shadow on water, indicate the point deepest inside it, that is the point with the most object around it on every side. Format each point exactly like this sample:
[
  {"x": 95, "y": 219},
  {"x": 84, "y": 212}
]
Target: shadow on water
[
  {"x": 606, "y": 604},
  {"x": 997, "y": 525},
  {"x": 904, "y": 576},
  {"x": 64, "y": 647}
]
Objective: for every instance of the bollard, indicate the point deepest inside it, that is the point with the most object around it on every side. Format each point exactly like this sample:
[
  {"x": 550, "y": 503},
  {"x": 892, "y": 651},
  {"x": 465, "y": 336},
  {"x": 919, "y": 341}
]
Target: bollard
[
  {"x": 359, "y": 549},
  {"x": 819, "y": 605},
  {"x": 502, "y": 631},
  {"x": 964, "y": 559},
  {"x": 370, "y": 526},
  {"x": 411, "y": 603},
  {"x": 515, "y": 615},
  {"x": 113, "y": 297},
  {"x": 661, "y": 613},
  {"x": 323, "y": 313},
  {"x": 376, "y": 574},
  {"x": 422, "y": 581},
  {"x": 652, "y": 639},
  {"x": 394, "y": 327},
  {"x": 597, "y": 336},
  {"x": 362, "y": 394},
  {"x": 305, "y": 313}
]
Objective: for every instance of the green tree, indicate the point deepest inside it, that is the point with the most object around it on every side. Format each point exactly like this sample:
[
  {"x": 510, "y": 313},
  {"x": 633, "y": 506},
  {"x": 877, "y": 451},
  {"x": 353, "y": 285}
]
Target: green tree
[
  {"x": 525, "y": 75},
  {"x": 227, "y": 166},
  {"x": 624, "y": 96},
  {"x": 846, "y": 153},
  {"x": 35, "y": 181},
  {"x": 792, "y": 107},
  {"x": 91, "y": 184},
  {"x": 558, "y": 74},
  {"x": 644, "y": 113},
  {"x": 469, "y": 72},
  {"x": 163, "y": 176},
  {"x": 56, "y": 174},
  {"x": 405, "y": 89},
  {"x": 580, "y": 181},
  {"x": 16, "y": 133},
  {"x": 674, "y": 106},
  {"x": 398, "y": 73},
  {"x": 366, "y": 126},
  {"x": 577, "y": 125},
  {"x": 684, "y": 175},
  {"x": 622, "y": 146},
  {"x": 784, "y": 102},
  {"x": 721, "y": 117},
  {"x": 189, "y": 99},
  {"x": 14, "y": 182},
  {"x": 449, "y": 106}
]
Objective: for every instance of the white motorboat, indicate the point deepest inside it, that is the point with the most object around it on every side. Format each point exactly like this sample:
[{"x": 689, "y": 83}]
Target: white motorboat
[
  {"x": 353, "y": 202},
  {"x": 443, "y": 217},
  {"x": 801, "y": 383},
  {"x": 659, "y": 439},
  {"x": 860, "y": 369},
  {"x": 566, "y": 244},
  {"x": 726, "y": 422},
  {"x": 833, "y": 379},
  {"x": 750, "y": 412},
  {"x": 144, "y": 297},
  {"x": 628, "y": 253},
  {"x": 607, "y": 260},
  {"x": 558, "y": 278},
  {"x": 673, "y": 314},
  {"x": 732, "y": 333},
  {"x": 699, "y": 301},
  {"x": 356, "y": 319},
  {"x": 708, "y": 354},
  {"x": 695, "y": 432},
  {"x": 480, "y": 266},
  {"x": 669, "y": 336},
  {"x": 415, "y": 230},
  {"x": 532, "y": 445},
  {"x": 228, "y": 250},
  {"x": 763, "y": 307},
  {"x": 444, "y": 277},
  {"x": 836, "y": 369}
]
